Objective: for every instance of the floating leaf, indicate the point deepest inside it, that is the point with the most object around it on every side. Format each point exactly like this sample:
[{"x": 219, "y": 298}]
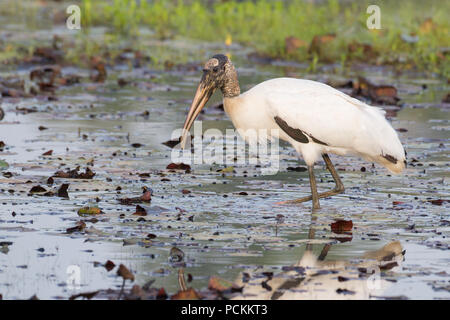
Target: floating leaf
[
  {"x": 125, "y": 273},
  {"x": 438, "y": 202},
  {"x": 146, "y": 197},
  {"x": 179, "y": 166},
  {"x": 62, "y": 191},
  {"x": 297, "y": 169},
  {"x": 48, "y": 153},
  {"x": 87, "y": 211},
  {"x": 226, "y": 170},
  {"x": 109, "y": 265},
  {"x": 341, "y": 226},
  {"x": 345, "y": 291},
  {"x": 137, "y": 145},
  {"x": 37, "y": 189},
  {"x": 80, "y": 226},
  {"x": 161, "y": 295},
  {"x": 173, "y": 143},
  {"x": 189, "y": 294},
  {"x": 219, "y": 284},
  {"x": 3, "y": 165},
  {"x": 86, "y": 295},
  {"x": 140, "y": 211},
  {"x": 73, "y": 174}
]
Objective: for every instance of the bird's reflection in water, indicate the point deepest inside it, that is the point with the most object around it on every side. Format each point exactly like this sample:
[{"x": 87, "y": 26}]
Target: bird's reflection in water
[{"x": 314, "y": 277}]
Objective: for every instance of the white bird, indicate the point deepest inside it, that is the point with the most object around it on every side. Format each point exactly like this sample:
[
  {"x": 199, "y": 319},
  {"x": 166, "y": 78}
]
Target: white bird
[{"x": 313, "y": 117}]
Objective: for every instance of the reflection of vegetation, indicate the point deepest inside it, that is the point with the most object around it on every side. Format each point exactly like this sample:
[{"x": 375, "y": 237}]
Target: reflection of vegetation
[{"x": 413, "y": 34}]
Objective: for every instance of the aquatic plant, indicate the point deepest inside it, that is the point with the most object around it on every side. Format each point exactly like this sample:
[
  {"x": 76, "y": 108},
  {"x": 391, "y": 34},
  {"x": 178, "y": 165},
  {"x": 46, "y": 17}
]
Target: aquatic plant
[{"x": 413, "y": 34}]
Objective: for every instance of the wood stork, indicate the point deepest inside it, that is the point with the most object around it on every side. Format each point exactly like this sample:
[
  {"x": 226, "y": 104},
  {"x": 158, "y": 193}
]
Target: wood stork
[{"x": 313, "y": 117}]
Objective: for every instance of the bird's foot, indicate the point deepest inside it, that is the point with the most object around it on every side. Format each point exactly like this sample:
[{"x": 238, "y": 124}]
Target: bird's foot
[{"x": 309, "y": 198}]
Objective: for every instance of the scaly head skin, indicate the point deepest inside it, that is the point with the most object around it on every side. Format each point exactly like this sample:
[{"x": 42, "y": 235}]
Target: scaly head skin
[{"x": 218, "y": 73}]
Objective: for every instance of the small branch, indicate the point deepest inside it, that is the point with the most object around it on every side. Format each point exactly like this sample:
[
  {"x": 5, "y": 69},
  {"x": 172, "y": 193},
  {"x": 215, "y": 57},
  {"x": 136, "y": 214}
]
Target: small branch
[
  {"x": 121, "y": 290},
  {"x": 181, "y": 280}
]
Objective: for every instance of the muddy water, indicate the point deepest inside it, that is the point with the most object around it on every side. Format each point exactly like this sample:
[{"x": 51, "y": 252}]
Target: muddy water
[{"x": 221, "y": 231}]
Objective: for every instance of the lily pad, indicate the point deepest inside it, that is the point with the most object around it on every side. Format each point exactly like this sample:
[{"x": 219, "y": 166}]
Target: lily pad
[
  {"x": 88, "y": 211},
  {"x": 219, "y": 284},
  {"x": 3, "y": 165}
]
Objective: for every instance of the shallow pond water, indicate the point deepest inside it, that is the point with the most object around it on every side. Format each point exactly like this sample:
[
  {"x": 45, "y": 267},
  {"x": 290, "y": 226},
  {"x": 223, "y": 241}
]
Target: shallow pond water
[{"x": 227, "y": 223}]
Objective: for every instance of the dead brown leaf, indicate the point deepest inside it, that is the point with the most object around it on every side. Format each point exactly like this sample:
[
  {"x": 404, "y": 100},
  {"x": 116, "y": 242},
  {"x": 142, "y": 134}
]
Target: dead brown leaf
[
  {"x": 48, "y": 153},
  {"x": 73, "y": 174},
  {"x": 125, "y": 273},
  {"x": 219, "y": 284},
  {"x": 146, "y": 197},
  {"x": 86, "y": 295},
  {"x": 62, "y": 191},
  {"x": 179, "y": 166},
  {"x": 109, "y": 265},
  {"x": 342, "y": 226},
  {"x": 189, "y": 294},
  {"x": 37, "y": 189},
  {"x": 140, "y": 211},
  {"x": 79, "y": 227}
]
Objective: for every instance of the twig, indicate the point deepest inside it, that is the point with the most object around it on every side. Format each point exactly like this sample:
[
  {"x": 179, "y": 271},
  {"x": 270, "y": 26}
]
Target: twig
[
  {"x": 121, "y": 290},
  {"x": 181, "y": 280}
]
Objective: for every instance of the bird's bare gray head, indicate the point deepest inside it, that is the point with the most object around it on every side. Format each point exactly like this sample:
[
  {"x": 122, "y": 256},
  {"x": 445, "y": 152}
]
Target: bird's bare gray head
[{"x": 218, "y": 73}]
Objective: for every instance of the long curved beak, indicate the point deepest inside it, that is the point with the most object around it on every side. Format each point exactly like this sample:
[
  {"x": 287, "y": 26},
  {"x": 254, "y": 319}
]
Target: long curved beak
[{"x": 204, "y": 92}]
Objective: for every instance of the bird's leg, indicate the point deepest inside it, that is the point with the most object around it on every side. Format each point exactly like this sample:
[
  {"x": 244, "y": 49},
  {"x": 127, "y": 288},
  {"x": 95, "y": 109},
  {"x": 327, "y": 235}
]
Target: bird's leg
[
  {"x": 339, "y": 185},
  {"x": 313, "y": 184},
  {"x": 338, "y": 189},
  {"x": 312, "y": 231},
  {"x": 324, "y": 252}
]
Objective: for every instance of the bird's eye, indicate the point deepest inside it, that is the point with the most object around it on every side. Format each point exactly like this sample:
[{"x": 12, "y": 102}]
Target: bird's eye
[{"x": 216, "y": 69}]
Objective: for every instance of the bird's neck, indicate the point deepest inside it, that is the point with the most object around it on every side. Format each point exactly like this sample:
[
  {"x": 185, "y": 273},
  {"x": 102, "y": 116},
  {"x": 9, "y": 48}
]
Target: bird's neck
[{"x": 230, "y": 88}]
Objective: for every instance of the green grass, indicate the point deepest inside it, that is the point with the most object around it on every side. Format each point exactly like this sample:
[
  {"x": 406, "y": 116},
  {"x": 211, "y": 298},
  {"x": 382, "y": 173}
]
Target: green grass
[{"x": 264, "y": 25}]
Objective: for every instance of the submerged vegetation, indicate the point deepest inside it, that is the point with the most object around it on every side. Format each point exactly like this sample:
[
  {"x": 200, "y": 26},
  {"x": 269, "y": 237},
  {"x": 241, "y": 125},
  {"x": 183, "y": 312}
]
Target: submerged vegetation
[{"x": 413, "y": 34}]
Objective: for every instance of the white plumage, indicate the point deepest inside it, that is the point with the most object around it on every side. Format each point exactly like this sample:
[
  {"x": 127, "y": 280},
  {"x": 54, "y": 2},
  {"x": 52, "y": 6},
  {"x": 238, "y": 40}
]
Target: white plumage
[
  {"x": 345, "y": 124},
  {"x": 315, "y": 118}
]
